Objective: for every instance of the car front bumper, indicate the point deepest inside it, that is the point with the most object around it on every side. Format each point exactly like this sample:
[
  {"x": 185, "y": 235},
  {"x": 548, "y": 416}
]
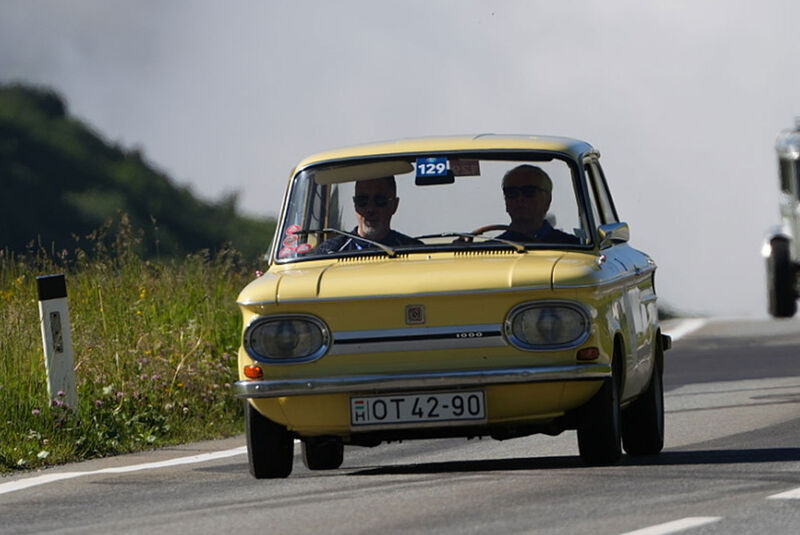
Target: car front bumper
[{"x": 413, "y": 381}]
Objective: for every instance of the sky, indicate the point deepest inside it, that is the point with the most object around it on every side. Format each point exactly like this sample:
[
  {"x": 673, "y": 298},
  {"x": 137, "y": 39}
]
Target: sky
[{"x": 683, "y": 98}]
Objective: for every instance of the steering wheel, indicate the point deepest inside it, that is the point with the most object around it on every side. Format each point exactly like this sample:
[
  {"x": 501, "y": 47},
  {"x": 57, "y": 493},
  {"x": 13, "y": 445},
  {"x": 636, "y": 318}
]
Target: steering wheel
[
  {"x": 482, "y": 230},
  {"x": 489, "y": 228}
]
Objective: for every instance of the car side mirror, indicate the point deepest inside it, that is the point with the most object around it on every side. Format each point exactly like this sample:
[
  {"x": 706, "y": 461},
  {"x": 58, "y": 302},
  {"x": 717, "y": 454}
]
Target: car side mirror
[{"x": 613, "y": 233}]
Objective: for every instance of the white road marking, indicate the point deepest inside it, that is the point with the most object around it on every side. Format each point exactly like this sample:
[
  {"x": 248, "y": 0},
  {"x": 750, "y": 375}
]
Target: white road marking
[
  {"x": 793, "y": 494},
  {"x": 675, "y": 526},
  {"x": 685, "y": 328},
  {"x": 13, "y": 486}
]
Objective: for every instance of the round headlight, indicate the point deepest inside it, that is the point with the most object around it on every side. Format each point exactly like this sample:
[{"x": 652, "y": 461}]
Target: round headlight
[
  {"x": 547, "y": 326},
  {"x": 286, "y": 338}
]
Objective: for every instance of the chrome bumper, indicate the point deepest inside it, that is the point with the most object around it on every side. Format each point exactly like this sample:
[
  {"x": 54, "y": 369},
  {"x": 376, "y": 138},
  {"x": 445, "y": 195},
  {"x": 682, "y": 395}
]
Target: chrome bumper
[{"x": 418, "y": 381}]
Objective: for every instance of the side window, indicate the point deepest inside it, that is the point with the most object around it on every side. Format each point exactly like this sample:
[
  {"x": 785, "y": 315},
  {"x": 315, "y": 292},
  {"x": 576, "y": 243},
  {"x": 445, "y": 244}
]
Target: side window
[
  {"x": 786, "y": 175},
  {"x": 592, "y": 195},
  {"x": 790, "y": 176},
  {"x": 608, "y": 214}
]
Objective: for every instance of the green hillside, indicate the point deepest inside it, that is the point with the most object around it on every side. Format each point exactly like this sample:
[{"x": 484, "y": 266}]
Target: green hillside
[{"x": 60, "y": 181}]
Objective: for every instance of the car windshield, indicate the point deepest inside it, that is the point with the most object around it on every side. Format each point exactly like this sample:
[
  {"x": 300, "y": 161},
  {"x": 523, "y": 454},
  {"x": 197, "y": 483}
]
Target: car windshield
[{"x": 433, "y": 202}]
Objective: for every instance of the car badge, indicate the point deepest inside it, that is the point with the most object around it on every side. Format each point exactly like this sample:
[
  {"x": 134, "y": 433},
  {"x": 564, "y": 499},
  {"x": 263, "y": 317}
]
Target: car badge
[{"x": 415, "y": 314}]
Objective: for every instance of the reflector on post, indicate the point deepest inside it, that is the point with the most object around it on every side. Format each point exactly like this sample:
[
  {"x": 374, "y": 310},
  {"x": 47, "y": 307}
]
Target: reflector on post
[{"x": 56, "y": 338}]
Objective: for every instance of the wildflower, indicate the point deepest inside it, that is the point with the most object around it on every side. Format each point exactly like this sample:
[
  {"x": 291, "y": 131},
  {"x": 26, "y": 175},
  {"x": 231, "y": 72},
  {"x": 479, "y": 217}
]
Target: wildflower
[
  {"x": 259, "y": 273},
  {"x": 168, "y": 407},
  {"x": 186, "y": 410},
  {"x": 56, "y": 403},
  {"x": 142, "y": 292},
  {"x": 98, "y": 403},
  {"x": 36, "y": 412},
  {"x": 43, "y": 454},
  {"x": 155, "y": 377},
  {"x": 120, "y": 395},
  {"x": 60, "y": 393}
]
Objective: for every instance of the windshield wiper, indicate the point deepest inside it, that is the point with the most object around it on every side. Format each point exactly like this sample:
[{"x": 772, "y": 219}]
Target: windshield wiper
[
  {"x": 516, "y": 245},
  {"x": 385, "y": 248}
]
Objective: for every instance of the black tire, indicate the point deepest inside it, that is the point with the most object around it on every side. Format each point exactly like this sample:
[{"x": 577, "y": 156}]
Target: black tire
[
  {"x": 781, "y": 292},
  {"x": 270, "y": 446},
  {"x": 643, "y": 420},
  {"x": 323, "y": 453},
  {"x": 599, "y": 434}
]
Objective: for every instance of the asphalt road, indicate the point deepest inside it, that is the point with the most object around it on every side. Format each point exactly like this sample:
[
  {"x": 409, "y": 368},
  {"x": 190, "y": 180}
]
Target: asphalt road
[{"x": 731, "y": 465}]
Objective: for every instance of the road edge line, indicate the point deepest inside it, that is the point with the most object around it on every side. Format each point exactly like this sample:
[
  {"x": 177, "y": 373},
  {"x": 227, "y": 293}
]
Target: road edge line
[
  {"x": 21, "y": 484},
  {"x": 675, "y": 525}
]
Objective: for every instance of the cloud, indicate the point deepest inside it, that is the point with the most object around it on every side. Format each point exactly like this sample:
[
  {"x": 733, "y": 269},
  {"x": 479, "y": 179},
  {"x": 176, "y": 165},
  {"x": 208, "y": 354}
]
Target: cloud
[{"x": 683, "y": 99}]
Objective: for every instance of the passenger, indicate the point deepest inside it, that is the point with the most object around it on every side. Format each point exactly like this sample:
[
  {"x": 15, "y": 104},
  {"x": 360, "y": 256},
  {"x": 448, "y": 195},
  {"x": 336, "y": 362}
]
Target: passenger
[
  {"x": 528, "y": 191},
  {"x": 375, "y": 202}
]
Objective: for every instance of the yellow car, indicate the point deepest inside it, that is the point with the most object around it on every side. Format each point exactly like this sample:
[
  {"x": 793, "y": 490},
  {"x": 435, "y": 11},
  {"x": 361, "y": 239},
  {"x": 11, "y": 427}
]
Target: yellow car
[{"x": 450, "y": 287}]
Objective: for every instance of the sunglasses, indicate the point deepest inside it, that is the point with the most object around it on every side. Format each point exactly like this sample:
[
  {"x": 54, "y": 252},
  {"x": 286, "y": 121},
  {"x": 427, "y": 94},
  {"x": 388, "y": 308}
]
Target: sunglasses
[
  {"x": 363, "y": 200},
  {"x": 512, "y": 192}
]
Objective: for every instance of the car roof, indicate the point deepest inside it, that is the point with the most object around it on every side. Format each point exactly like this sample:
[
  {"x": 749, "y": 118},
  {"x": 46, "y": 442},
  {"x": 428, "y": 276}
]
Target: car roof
[{"x": 482, "y": 142}]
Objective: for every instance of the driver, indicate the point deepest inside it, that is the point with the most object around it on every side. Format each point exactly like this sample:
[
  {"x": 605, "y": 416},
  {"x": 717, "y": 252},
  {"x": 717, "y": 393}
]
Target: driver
[
  {"x": 528, "y": 191},
  {"x": 375, "y": 203}
]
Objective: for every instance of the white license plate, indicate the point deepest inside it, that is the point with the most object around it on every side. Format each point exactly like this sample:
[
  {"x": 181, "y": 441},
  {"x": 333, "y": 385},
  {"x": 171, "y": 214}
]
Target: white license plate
[{"x": 417, "y": 408}]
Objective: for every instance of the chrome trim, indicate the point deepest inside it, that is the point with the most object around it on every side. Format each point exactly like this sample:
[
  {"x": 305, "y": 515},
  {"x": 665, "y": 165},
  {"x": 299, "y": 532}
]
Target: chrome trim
[
  {"x": 787, "y": 144},
  {"x": 519, "y": 344},
  {"x": 417, "y": 338},
  {"x": 415, "y": 381},
  {"x": 396, "y": 296},
  {"x": 643, "y": 273},
  {"x": 326, "y": 338}
]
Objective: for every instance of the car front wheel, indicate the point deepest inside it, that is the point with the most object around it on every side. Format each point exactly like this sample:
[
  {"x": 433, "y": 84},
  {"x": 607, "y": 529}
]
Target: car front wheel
[
  {"x": 270, "y": 446},
  {"x": 599, "y": 426},
  {"x": 781, "y": 292}
]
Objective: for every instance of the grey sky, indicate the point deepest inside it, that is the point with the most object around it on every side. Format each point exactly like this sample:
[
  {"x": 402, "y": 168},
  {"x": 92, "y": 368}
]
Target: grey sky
[{"x": 683, "y": 99}]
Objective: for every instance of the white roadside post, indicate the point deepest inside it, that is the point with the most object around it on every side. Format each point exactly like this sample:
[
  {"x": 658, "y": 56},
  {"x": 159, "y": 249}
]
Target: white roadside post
[{"x": 56, "y": 337}]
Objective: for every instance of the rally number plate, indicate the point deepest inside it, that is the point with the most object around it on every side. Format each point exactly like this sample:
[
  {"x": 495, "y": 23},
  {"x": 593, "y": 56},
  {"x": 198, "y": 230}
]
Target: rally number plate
[{"x": 418, "y": 408}]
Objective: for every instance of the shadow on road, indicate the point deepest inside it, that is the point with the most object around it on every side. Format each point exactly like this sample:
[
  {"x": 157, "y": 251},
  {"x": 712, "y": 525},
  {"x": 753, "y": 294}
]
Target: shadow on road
[{"x": 669, "y": 458}]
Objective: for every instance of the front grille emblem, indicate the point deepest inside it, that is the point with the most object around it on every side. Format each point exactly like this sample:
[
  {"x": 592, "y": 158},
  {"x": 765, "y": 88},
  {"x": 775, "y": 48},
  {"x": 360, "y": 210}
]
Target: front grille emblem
[{"x": 415, "y": 314}]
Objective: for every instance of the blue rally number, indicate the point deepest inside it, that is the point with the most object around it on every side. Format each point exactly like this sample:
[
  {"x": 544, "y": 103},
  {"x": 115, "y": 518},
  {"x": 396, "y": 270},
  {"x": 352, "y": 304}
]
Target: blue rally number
[{"x": 431, "y": 167}]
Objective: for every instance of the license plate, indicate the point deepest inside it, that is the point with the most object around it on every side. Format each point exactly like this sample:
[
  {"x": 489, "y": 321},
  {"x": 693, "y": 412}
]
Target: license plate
[{"x": 417, "y": 408}]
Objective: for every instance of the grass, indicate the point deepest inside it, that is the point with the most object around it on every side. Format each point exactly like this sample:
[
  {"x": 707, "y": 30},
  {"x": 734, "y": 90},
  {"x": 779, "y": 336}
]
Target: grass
[{"x": 154, "y": 344}]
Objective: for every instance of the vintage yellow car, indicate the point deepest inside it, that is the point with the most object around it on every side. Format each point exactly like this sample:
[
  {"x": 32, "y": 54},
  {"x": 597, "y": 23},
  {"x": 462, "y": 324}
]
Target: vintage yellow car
[{"x": 450, "y": 287}]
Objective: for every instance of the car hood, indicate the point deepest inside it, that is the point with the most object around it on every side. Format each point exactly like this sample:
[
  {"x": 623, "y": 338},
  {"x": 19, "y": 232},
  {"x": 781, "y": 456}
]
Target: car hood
[{"x": 416, "y": 274}]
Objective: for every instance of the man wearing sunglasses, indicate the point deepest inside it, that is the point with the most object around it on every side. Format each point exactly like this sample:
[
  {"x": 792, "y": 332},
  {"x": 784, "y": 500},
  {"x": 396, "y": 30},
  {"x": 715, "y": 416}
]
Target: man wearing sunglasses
[
  {"x": 528, "y": 191},
  {"x": 375, "y": 203}
]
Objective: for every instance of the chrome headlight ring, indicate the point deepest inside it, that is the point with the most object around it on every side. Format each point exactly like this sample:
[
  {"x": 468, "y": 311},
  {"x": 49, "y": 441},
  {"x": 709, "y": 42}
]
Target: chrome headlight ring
[
  {"x": 286, "y": 338},
  {"x": 547, "y": 325}
]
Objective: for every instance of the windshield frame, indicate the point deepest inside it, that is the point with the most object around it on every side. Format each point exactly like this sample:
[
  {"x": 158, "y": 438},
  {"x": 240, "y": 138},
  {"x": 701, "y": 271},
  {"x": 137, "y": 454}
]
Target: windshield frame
[{"x": 574, "y": 164}]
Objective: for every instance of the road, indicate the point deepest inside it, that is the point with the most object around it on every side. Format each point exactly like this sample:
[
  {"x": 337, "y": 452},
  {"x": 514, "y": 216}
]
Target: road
[{"x": 731, "y": 465}]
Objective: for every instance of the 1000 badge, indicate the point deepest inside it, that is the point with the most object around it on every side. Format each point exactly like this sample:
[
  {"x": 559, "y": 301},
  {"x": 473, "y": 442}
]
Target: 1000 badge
[{"x": 417, "y": 408}]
